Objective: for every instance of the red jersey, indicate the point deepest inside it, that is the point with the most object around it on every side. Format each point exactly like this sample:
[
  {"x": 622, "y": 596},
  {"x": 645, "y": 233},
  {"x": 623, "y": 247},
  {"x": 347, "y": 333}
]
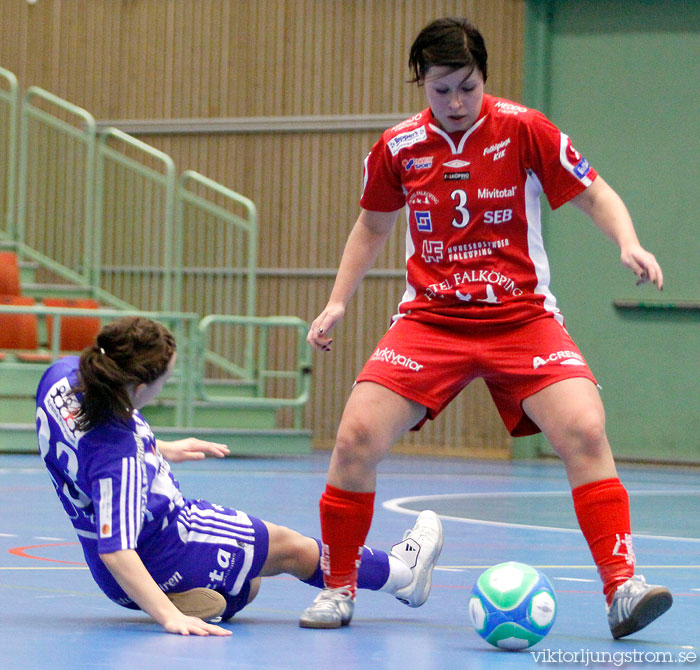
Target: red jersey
[{"x": 474, "y": 243}]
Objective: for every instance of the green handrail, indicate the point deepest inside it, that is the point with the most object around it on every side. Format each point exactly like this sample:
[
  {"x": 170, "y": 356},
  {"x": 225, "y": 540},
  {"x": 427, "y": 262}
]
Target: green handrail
[
  {"x": 249, "y": 224},
  {"x": 85, "y": 133},
  {"x": 301, "y": 375},
  {"x": 43, "y": 120},
  {"x": 25, "y": 251},
  {"x": 166, "y": 179},
  {"x": 10, "y": 97}
]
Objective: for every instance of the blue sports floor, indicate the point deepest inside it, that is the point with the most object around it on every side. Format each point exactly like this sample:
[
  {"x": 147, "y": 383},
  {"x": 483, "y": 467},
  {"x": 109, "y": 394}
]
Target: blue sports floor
[{"x": 52, "y": 616}]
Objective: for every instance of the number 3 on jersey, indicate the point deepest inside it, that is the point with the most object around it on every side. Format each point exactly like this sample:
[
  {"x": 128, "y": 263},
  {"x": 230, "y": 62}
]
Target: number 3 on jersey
[{"x": 462, "y": 213}]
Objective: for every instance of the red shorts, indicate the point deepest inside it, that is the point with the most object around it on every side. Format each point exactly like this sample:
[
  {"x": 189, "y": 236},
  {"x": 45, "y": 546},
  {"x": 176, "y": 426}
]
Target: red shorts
[{"x": 429, "y": 358}]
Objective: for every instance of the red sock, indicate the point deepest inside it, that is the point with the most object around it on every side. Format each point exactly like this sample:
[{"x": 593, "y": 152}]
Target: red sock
[
  {"x": 345, "y": 520},
  {"x": 603, "y": 512}
]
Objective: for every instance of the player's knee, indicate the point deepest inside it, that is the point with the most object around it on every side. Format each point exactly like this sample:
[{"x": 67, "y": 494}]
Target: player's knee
[
  {"x": 356, "y": 443},
  {"x": 254, "y": 588},
  {"x": 584, "y": 432},
  {"x": 591, "y": 429}
]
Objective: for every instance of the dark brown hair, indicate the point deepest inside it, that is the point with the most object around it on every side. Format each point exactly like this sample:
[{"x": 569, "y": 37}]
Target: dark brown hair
[
  {"x": 127, "y": 352},
  {"x": 449, "y": 42}
]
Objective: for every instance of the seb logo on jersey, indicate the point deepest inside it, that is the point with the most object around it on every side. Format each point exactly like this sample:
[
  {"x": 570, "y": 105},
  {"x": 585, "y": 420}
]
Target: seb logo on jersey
[{"x": 496, "y": 216}]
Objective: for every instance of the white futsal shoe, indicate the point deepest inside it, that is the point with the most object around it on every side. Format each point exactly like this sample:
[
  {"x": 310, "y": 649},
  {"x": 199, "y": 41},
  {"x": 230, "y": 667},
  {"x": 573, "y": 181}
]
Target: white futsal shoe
[
  {"x": 420, "y": 550},
  {"x": 635, "y": 605},
  {"x": 203, "y": 603},
  {"x": 332, "y": 608}
]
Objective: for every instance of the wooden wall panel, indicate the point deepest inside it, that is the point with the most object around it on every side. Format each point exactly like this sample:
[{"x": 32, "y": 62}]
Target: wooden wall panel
[
  {"x": 184, "y": 59},
  {"x": 144, "y": 59}
]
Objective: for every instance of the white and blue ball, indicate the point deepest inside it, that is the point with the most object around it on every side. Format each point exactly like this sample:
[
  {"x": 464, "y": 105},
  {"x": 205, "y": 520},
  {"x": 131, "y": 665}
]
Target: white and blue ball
[{"x": 512, "y": 606}]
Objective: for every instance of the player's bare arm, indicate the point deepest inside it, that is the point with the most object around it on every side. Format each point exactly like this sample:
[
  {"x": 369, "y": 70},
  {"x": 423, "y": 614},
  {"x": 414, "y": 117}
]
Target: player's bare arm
[
  {"x": 131, "y": 574},
  {"x": 609, "y": 213},
  {"x": 190, "y": 449},
  {"x": 361, "y": 249}
]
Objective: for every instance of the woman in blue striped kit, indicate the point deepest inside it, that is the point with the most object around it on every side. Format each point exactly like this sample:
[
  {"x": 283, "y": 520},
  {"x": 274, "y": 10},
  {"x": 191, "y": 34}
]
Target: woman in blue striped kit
[{"x": 147, "y": 546}]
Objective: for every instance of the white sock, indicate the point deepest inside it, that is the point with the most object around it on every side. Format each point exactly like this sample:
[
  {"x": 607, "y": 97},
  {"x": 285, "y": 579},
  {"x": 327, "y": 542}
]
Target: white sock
[{"x": 400, "y": 575}]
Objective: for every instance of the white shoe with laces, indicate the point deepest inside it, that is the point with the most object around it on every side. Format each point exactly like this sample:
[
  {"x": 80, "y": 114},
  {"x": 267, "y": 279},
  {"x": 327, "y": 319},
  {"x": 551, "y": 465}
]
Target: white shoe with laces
[
  {"x": 635, "y": 605},
  {"x": 332, "y": 608},
  {"x": 420, "y": 550}
]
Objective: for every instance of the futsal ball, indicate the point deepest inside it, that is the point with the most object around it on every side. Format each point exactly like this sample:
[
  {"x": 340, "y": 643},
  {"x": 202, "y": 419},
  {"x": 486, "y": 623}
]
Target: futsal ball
[{"x": 512, "y": 606}]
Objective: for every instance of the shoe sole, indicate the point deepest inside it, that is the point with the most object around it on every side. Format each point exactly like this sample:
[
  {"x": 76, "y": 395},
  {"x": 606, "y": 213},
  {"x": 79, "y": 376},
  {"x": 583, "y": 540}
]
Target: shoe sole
[
  {"x": 321, "y": 625},
  {"x": 200, "y": 602},
  {"x": 425, "y": 591},
  {"x": 650, "y": 607}
]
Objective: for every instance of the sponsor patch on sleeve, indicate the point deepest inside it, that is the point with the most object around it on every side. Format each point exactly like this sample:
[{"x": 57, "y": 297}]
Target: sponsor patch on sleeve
[
  {"x": 582, "y": 168},
  {"x": 106, "y": 507}
]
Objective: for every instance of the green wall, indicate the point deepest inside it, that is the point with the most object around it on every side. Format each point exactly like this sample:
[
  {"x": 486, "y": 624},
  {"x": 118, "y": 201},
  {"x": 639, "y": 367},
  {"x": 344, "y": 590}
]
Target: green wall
[{"x": 622, "y": 78}]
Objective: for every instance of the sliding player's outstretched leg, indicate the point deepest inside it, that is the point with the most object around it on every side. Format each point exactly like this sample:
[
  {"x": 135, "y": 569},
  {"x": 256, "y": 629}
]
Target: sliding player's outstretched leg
[
  {"x": 420, "y": 550},
  {"x": 406, "y": 573}
]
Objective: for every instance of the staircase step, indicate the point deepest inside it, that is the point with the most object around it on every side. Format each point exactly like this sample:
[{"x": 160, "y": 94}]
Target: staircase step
[
  {"x": 21, "y": 438},
  {"x": 20, "y": 409},
  {"x": 35, "y": 290},
  {"x": 20, "y": 380},
  {"x": 215, "y": 388},
  {"x": 244, "y": 442},
  {"x": 206, "y": 415},
  {"x": 17, "y": 409}
]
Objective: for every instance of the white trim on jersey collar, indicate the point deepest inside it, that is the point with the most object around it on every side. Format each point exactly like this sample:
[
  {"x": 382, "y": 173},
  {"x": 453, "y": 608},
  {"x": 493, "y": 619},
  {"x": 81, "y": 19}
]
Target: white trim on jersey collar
[{"x": 467, "y": 133}]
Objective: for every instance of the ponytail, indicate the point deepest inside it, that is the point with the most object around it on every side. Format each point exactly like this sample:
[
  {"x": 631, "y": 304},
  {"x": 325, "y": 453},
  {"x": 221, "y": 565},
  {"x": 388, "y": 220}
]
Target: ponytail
[{"x": 126, "y": 353}]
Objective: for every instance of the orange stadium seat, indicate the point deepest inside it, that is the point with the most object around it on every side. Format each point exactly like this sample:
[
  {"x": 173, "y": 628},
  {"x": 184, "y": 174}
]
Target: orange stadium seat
[
  {"x": 77, "y": 332},
  {"x": 9, "y": 273},
  {"x": 19, "y": 332}
]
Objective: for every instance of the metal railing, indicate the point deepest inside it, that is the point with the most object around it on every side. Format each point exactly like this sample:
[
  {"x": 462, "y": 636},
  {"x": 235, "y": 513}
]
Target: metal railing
[
  {"x": 9, "y": 115},
  {"x": 134, "y": 220},
  {"x": 182, "y": 325},
  {"x": 194, "y": 354},
  {"x": 222, "y": 235},
  {"x": 56, "y": 184},
  {"x": 107, "y": 213},
  {"x": 119, "y": 214},
  {"x": 295, "y": 351}
]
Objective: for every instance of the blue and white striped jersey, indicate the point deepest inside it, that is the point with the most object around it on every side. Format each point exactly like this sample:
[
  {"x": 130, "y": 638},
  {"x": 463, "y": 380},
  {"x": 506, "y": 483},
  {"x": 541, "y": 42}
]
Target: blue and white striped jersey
[{"x": 113, "y": 482}]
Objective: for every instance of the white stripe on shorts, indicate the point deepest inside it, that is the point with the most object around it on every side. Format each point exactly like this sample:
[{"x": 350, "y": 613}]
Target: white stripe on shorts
[{"x": 212, "y": 527}]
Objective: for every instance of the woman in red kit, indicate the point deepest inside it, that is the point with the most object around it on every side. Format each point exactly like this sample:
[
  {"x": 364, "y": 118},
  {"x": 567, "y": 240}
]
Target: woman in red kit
[{"x": 468, "y": 171}]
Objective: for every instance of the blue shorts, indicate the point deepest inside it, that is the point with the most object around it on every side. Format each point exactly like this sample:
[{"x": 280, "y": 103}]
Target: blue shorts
[{"x": 207, "y": 546}]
